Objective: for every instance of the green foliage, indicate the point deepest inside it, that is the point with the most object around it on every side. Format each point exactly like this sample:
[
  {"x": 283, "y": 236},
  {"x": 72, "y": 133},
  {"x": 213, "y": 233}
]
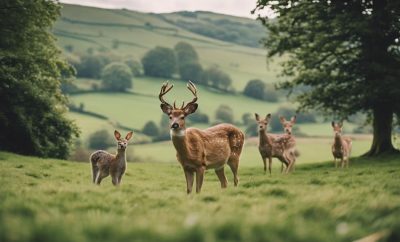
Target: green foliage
[
  {"x": 198, "y": 117},
  {"x": 260, "y": 90},
  {"x": 70, "y": 207},
  {"x": 248, "y": 118},
  {"x": 32, "y": 118},
  {"x": 216, "y": 78},
  {"x": 242, "y": 32},
  {"x": 347, "y": 52},
  {"x": 100, "y": 140},
  {"x": 224, "y": 113},
  {"x": 185, "y": 53},
  {"x": 136, "y": 66},
  {"x": 150, "y": 129},
  {"x": 191, "y": 71},
  {"x": 116, "y": 76},
  {"x": 159, "y": 62}
]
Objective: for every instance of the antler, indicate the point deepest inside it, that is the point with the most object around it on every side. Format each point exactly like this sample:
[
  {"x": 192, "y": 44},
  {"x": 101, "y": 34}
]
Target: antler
[
  {"x": 164, "y": 89},
  {"x": 192, "y": 88}
]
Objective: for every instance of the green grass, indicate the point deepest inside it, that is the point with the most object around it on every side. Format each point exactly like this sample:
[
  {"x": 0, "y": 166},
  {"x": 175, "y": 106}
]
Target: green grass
[
  {"x": 312, "y": 150},
  {"x": 54, "y": 200}
]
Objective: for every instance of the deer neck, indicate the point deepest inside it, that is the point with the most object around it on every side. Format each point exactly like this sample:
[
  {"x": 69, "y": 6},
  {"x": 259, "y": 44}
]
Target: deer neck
[
  {"x": 264, "y": 138},
  {"x": 338, "y": 141},
  {"x": 180, "y": 141},
  {"x": 120, "y": 156}
]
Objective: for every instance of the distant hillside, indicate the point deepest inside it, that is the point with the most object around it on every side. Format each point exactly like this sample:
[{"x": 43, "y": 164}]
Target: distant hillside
[
  {"x": 227, "y": 28},
  {"x": 81, "y": 28}
]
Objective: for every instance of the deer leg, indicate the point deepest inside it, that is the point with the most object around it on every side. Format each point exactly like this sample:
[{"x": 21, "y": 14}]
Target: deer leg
[
  {"x": 199, "y": 178},
  {"x": 95, "y": 171},
  {"x": 265, "y": 164},
  {"x": 222, "y": 178},
  {"x": 234, "y": 165},
  {"x": 98, "y": 178},
  {"x": 114, "y": 179},
  {"x": 334, "y": 161},
  {"x": 269, "y": 164},
  {"x": 189, "y": 180}
]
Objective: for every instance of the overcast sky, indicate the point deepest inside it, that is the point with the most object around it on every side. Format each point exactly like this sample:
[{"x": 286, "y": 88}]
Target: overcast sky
[{"x": 231, "y": 7}]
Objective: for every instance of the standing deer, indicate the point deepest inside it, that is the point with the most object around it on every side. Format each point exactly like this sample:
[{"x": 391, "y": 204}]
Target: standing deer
[
  {"x": 341, "y": 147},
  {"x": 273, "y": 145},
  {"x": 198, "y": 150},
  {"x": 290, "y": 140},
  {"x": 104, "y": 163}
]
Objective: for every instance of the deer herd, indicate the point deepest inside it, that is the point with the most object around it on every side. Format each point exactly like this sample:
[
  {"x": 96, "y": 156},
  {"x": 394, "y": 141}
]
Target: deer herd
[{"x": 198, "y": 150}]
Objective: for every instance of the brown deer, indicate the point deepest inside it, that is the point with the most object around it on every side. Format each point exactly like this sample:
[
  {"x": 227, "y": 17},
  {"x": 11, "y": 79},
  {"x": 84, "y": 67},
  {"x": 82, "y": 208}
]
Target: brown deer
[
  {"x": 290, "y": 139},
  {"x": 104, "y": 163},
  {"x": 341, "y": 148},
  {"x": 273, "y": 145},
  {"x": 198, "y": 150}
]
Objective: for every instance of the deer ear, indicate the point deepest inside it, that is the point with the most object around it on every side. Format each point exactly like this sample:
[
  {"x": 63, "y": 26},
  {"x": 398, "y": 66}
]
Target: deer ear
[
  {"x": 293, "y": 119},
  {"x": 340, "y": 124},
  {"x": 129, "y": 135},
  {"x": 268, "y": 117},
  {"x": 333, "y": 124},
  {"x": 190, "y": 108},
  {"x": 117, "y": 135},
  {"x": 257, "y": 116},
  {"x": 282, "y": 119},
  {"x": 167, "y": 109}
]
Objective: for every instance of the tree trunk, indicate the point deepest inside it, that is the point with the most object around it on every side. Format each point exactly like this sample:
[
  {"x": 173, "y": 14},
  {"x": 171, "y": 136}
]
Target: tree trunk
[{"x": 382, "y": 125}]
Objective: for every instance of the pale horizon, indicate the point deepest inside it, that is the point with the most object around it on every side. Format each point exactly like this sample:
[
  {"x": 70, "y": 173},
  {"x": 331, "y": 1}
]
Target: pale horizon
[{"x": 239, "y": 8}]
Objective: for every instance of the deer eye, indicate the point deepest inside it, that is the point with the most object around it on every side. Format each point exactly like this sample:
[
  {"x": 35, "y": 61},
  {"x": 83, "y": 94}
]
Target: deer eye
[
  {"x": 170, "y": 117},
  {"x": 182, "y": 118}
]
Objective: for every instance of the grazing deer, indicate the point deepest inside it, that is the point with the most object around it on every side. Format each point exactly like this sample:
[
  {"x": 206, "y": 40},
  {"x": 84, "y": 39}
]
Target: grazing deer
[
  {"x": 198, "y": 150},
  {"x": 341, "y": 147},
  {"x": 104, "y": 163},
  {"x": 272, "y": 145}
]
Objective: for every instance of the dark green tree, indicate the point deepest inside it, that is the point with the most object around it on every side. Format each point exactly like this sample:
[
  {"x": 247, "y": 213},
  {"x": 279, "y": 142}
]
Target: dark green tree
[
  {"x": 347, "y": 52},
  {"x": 150, "y": 129},
  {"x": 32, "y": 107},
  {"x": 185, "y": 53},
  {"x": 191, "y": 71},
  {"x": 216, "y": 78},
  {"x": 255, "y": 89},
  {"x": 100, "y": 140},
  {"x": 116, "y": 76},
  {"x": 159, "y": 62},
  {"x": 136, "y": 67},
  {"x": 224, "y": 113}
]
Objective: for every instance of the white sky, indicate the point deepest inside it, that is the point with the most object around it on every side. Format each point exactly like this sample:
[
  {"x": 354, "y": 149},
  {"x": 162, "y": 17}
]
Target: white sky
[{"x": 231, "y": 7}]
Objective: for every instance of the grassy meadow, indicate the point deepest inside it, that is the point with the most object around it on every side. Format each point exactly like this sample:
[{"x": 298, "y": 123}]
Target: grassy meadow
[{"x": 54, "y": 200}]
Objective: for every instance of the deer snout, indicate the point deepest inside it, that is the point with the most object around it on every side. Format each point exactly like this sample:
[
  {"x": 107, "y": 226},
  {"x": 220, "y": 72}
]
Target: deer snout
[{"x": 174, "y": 126}]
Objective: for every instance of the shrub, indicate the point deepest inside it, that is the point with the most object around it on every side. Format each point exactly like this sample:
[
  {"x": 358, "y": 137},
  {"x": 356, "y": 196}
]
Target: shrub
[
  {"x": 159, "y": 62},
  {"x": 224, "y": 113},
  {"x": 150, "y": 129},
  {"x": 259, "y": 90},
  {"x": 217, "y": 78},
  {"x": 116, "y": 76},
  {"x": 191, "y": 71},
  {"x": 247, "y": 118},
  {"x": 135, "y": 66},
  {"x": 100, "y": 140},
  {"x": 185, "y": 53},
  {"x": 199, "y": 117}
]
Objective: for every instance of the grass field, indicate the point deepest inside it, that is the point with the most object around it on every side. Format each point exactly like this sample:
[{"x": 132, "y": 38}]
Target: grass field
[
  {"x": 54, "y": 200},
  {"x": 88, "y": 27}
]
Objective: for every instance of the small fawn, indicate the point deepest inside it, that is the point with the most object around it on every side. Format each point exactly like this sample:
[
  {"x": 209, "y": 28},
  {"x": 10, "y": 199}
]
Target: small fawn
[
  {"x": 291, "y": 141},
  {"x": 104, "y": 163},
  {"x": 341, "y": 148},
  {"x": 198, "y": 150},
  {"x": 274, "y": 146}
]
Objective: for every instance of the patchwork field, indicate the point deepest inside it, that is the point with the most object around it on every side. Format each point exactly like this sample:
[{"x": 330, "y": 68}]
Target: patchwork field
[{"x": 54, "y": 200}]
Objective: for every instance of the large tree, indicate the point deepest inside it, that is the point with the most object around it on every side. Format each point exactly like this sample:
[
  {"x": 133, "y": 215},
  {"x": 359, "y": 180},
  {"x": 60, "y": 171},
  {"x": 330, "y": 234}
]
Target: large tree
[
  {"x": 32, "y": 107},
  {"x": 346, "y": 52},
  {"x": 159, "y": 62}
]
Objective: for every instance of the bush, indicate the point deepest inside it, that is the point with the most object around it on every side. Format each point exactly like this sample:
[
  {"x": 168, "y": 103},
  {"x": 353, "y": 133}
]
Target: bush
[
  {"x": 217, "y": 78},
  {"x": 259, "y": 90},
  {"x": 90, "y": 66},
  {"x": 247, "y": 118},
  {"x": 252, "y": 129},
  {"x": 150, "y": 129},
  {"x": 199, "y": 117},
  {"x": 135, "y": 66},
  {"x": 185, "y": 53},
  {"x": 224, "y": 113},
  {"x": 116, "y": 76},
  {"x": 191, "y": 71},
  {"x": 159, "y": 62},
  {"x": 100, "y": 140}
]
